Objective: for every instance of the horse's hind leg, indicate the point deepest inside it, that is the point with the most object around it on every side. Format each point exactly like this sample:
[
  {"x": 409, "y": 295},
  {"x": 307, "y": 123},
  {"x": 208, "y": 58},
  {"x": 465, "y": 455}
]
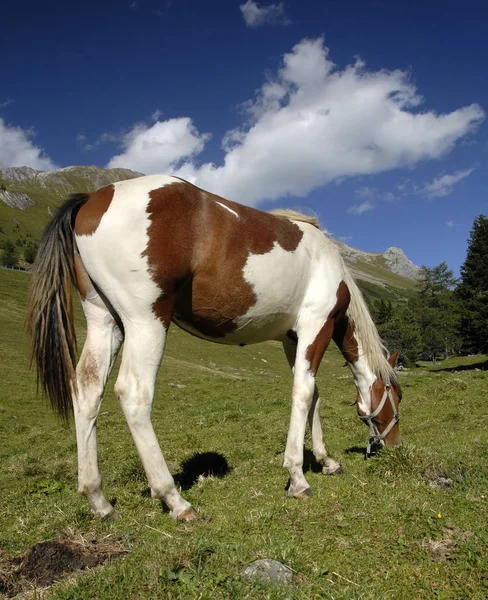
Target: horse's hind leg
[
  {"x": 143, "y": 351},
  {"x": 102, "y": 344}
]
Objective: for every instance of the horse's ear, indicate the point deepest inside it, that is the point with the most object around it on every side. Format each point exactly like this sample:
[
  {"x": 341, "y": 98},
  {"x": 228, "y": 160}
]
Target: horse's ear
[{"x": 393, "y": 359}]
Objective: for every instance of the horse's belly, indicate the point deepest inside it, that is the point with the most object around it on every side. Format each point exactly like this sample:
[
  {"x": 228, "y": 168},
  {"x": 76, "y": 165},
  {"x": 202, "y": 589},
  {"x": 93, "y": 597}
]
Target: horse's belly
[
  {"x": 240, "y": 331},
  {"x": 237, "y": 316}
]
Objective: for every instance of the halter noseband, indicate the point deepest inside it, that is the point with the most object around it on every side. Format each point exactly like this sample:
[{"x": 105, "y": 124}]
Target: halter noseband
[{"x": 377, "y": 437}]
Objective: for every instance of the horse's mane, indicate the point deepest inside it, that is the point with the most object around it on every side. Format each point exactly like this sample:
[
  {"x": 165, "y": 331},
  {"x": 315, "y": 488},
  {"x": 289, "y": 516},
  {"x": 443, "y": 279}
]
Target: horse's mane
[
  {"x": 374, "y": 351},
  {"x": 294, "y": 215}
]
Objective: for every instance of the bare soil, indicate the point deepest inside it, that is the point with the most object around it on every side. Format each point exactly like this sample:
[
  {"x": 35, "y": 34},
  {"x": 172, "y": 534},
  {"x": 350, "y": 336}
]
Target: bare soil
[{"x": 47, "y": 562}]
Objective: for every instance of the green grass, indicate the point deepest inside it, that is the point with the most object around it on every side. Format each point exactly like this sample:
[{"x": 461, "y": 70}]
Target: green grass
[
  {"x": 378, "y": 531},
  {"x": 373, "y": 292}
]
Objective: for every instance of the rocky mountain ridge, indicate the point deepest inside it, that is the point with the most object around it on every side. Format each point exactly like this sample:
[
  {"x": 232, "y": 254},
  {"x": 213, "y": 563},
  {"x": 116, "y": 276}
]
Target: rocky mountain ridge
[
  {"x": 67, "y": 180},
  {"x": 16, "y": 199},
  {"x": 394, "y": 259}
]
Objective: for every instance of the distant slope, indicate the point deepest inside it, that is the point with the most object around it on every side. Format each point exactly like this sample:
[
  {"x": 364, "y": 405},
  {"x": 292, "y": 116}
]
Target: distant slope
[
  {"x": 28, "y": 198},
  {"x": 391, "y": 276}
]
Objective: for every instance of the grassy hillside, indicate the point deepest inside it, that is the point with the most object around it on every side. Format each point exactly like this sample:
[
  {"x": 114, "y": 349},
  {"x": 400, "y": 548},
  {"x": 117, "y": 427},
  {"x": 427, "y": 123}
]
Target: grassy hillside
[
  {"x": 412, "y": 523},
  {"x": 47, "y": 192}
]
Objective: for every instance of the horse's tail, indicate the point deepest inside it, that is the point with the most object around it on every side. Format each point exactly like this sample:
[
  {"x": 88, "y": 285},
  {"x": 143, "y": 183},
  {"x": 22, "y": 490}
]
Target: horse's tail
[
  {"x": 50, "y": 320},
  {"x": 373, "y": 348}
]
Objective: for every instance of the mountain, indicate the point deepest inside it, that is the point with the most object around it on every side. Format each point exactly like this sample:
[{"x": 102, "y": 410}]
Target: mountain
[
  {"x": 60, "y": 183},
  {"x": 28, "y": 198}
]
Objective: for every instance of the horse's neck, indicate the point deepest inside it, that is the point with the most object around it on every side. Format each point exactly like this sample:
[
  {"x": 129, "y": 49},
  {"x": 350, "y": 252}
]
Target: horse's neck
[
  {"x": 364, "y": 379},
  {"x": 351, "y": 347}
]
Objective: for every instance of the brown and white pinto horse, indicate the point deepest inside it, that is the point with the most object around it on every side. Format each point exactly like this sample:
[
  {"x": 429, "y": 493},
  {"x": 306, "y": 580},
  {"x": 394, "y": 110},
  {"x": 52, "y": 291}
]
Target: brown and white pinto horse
[{"x": 156, "y": 249}]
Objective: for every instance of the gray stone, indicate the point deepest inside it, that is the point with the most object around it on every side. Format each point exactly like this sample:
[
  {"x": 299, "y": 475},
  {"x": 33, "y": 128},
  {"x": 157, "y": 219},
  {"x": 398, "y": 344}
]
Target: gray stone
[
  {"x": 440, "y": 482},
  {"x": 269, "y": 571}
]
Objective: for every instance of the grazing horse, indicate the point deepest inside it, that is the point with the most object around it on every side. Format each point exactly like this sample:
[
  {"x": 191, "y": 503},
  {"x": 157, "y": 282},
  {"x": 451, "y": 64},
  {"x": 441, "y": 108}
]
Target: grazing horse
[{"x": 156, "y": 249}]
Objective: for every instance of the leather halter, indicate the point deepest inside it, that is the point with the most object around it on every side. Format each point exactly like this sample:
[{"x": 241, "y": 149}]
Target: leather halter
[{"x": 376, "y": 437}]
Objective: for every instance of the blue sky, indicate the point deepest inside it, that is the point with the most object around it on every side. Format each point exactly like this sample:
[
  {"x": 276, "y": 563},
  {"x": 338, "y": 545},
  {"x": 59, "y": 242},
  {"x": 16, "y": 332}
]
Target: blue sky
[{"x": 369, "y": 113}]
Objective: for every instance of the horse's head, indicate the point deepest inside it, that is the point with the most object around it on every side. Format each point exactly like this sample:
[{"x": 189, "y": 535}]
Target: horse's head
[{"x": 382, "y": 420}]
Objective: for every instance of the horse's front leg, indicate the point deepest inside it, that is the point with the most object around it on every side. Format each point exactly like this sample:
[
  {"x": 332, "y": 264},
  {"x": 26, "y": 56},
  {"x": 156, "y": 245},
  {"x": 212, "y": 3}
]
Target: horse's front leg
[
  {"x": 329, "y": 465},
  {"x": 302, "y": 397},
  {"x": 320, "y": 452}
]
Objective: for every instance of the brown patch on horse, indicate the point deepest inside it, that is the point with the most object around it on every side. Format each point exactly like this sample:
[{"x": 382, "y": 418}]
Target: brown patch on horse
[
  {"x": 343, "y": 334},
  {"x": 316, "y": 349},
  {"x": 82, "y": 280},
  {"x": 87, "y": 370},
  {"x": 90, "y": 215},
  {"x": 344, "y": 337},
  {"x": 197, "y": 251}
]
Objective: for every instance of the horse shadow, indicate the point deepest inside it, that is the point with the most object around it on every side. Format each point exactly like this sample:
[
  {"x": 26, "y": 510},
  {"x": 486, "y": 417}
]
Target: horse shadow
[
  {"x": 201, "y": 464},
  {"x": 375, "y": 450},
  {"x": 481, "y": 366},
  {"x": 355, "y": 450},
  {"x": 310, "y": 463}
]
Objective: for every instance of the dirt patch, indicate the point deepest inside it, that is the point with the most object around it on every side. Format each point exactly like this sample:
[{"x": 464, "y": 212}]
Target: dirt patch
[
  {"x": 47, "y": 562},
  {"x": 442, "y": 549}
]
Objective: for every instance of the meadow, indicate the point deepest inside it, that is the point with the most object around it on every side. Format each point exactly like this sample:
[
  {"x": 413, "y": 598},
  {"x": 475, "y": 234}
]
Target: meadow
[{"x": 410, "y": 523}]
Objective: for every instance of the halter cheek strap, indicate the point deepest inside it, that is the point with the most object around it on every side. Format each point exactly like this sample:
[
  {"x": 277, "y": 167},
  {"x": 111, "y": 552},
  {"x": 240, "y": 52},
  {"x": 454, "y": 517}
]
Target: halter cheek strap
[{"x": 377, "y": 437}]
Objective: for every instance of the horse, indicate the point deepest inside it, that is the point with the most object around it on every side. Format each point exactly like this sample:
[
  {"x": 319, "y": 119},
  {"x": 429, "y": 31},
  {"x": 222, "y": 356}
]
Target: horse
[{"x": 157, "y": 249}]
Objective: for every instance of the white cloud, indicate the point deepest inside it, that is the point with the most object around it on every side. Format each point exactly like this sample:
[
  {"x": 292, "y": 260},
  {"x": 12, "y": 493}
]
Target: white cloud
[
  {"x": 159, "y": 148},
  {"x": 359, "y": 209},
  {"x": 389, "y": 197},
  {"x": 375, "y": 194},
  {"x": 311, "y": 124},
  {"x": 255, "y": 15},
  {"x": 366, "y": 192},
  {"x": 451, "y": 223},
  {"x": 18, "y": 150},
  {"x": 402, "y": 187},
  {"x": 444, "y": 184}
]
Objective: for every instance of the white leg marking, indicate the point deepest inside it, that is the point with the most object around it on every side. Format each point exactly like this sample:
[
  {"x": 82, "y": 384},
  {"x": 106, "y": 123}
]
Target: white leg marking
[
  {"x": 96, "y": 361},
  {"x": 329, "y": 465},
  {"x": 302, "y": 396},
  {"x": 143, "y": 351}
]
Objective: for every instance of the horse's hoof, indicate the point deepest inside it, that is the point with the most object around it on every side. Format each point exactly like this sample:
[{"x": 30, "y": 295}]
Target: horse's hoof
[
  {"x": 334, "y": 471},
  {"x": 190, "y": 514},
  {"x": 303, "y": 495},
  {"x": 112, "y": 516}
]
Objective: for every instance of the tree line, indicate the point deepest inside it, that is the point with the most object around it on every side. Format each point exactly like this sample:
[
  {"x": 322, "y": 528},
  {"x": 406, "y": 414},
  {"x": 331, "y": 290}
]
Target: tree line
[
  {"x": 14, "y": 252},
  {"x": 448, "y": 316}
]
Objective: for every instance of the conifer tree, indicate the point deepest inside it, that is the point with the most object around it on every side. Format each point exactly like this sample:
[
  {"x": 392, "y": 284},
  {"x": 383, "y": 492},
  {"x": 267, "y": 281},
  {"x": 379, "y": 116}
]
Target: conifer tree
[
  {"x": 473, "y": 289},
  {"x": 438, "y": 311}
]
